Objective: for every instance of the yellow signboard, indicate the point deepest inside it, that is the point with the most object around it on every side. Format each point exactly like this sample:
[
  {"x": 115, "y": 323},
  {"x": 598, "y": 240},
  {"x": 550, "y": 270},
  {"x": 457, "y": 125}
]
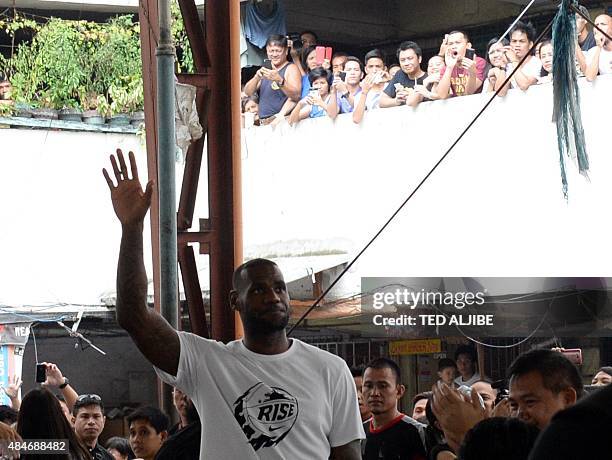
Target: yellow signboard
[{"x": 415, "y": 347}]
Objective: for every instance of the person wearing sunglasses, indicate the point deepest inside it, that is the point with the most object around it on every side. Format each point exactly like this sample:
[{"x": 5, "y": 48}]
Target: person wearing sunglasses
[{"x": 88, "y": 420}]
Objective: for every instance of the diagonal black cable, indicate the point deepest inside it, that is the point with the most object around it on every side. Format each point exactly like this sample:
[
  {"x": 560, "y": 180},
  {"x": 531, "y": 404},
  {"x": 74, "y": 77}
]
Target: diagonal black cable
[
  {"x": 397, "y": 211},
  {"x": 589, "y": 20}
]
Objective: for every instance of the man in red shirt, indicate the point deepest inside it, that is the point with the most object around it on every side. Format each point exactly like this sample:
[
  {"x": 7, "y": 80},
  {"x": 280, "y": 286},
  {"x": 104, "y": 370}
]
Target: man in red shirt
[{"x": 463, "y": 73}]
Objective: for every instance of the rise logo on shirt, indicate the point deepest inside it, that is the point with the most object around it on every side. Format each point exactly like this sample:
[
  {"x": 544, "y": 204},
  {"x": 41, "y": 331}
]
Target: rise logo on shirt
[{"x": 265, "y": 414}]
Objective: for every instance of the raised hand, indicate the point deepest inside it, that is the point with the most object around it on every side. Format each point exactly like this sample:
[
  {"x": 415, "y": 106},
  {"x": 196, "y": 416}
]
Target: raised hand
[
  {"x": 468, "y": 65},
  {"x": 455, "y": 414},
  {"x": 510, "y": 54},
  {"x": 12, "y": 389},
  {"x": 129, "y": 201},
  {"x": 367, "y": 83},
  {"x": 55, "y": 377},
  {"x": 450, "y": 59}
]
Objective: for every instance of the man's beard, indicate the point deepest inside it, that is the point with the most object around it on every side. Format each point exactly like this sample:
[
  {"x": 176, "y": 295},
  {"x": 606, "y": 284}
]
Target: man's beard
[{"x": 257, "y": 325}]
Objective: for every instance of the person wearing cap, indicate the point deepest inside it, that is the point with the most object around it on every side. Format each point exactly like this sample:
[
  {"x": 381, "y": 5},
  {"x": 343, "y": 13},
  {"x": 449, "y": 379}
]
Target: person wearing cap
[
  {"x": 264, "y": 396},
  {"x": 88, "y": 420},
  {"x": 586, "y": 39}
]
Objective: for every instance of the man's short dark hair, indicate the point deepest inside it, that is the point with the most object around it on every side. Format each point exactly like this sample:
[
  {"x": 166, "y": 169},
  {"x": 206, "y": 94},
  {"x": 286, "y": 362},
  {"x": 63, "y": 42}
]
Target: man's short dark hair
[
  {"x": 374, "y": 54},
  {"x": 462, "y": 32},
  {"x": 156, "y": 418},
  {"x": 466, "y": 350},
  {"x": 8, "y": 415},
  {"x": 318, "y": 72},
  {"x": 356, "y": 371},
  {"x": 424, "y": 395},
  {"x": 338, "y": 54},
  {"x": 445, "y": 363},
  {"x": 87, "y": 400},
  {"x": 386, "y": 363},
  {"x": 121, "y": 445},
  {"x": 502, "y": 438},
  {"x": 408, "y": 45},
  {"x": 557, "y": 372},
  {"x": 311, "y": 33},
  {"x": 237, "y": 276},
  {"x": 354, "y": 59},
  {"x": 3, "y": 77},
  {"x": 277, "y": 40},
  {"x": 526, "y": 28}
]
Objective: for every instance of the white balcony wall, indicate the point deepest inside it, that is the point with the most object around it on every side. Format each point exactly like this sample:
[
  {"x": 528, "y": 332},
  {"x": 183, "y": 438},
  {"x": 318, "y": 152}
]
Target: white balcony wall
[{"x": 494, "y": 208}]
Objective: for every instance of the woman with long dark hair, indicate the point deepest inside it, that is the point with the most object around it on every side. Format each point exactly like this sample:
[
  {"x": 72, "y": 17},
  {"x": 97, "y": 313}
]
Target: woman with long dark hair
[{"x": 41, "y": 417}]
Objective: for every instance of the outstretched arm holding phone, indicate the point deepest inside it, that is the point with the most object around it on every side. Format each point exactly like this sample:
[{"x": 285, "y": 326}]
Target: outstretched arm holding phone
[
  {"x": 154, "y": 337},
  {"x": 56, "y": 379}
]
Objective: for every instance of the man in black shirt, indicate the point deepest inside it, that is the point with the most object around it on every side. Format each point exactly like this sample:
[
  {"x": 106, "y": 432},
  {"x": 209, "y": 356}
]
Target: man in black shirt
[
  {"x": 88, "y": 420},
  {"x": 400, "y": 90},
  {"x": 183, "y": 444},
  {"x": 580, "y": 431},
  {"x": 586, "y": 39},
  {"x": 390, "y": 435}
]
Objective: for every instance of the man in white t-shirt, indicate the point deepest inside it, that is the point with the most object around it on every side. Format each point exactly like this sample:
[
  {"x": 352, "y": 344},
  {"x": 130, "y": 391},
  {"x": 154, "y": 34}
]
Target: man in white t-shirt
[
  {"x": 599, "y": 58},
  {"x": 521, "y": 40},
  {"x": 263, "y": 397},
  {"x": 466, "y": 359}
]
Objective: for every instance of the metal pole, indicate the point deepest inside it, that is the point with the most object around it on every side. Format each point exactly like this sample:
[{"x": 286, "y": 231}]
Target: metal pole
[{"x": 166, "y": 178}]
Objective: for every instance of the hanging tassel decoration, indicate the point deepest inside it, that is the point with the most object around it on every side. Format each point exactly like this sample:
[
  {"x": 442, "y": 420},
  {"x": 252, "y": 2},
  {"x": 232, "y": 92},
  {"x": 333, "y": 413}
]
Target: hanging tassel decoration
[{"x": 566, "y": 95}]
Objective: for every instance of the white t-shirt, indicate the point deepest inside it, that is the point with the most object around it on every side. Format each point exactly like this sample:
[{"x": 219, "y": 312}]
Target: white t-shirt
[
  {"x": 531, "y": 68},
  {"x": 605, "y": 60},
  {"x": 294, "y": 405},
  {"x": 471, "y": 381},
  {"x": 372, "y": 99}
]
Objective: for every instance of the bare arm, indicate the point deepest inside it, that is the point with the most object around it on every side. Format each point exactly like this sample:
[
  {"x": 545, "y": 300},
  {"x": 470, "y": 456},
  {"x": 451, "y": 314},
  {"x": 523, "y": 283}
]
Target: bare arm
[
  {"x": 55, "y": 378},
  {"x": 366, "y": 87},
  {"x": 592, "y": 68},
  {"x": 287, "y": 108},
  {"x": 332, "y": 106},
  {"x": 501, "y": 78},
  {"x": 473, "y": 82},
  {"x": 388, "y": 101},
  {"x": 253, "y": 84},
  {"x": 350, "y": 451},
  {"x": 292, "y": 86},
  {"x": 523, "y": 81},
  {"x": 12, "y": 391},
  {"x": 300, "y": 112},
  {"x": 443, "y": 89},
  {"x": 582, "y": 64},
  {"x": 151, "y": 333}
]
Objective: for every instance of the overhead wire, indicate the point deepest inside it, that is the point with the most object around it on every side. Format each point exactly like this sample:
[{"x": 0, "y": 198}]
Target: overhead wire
[{"x": 431, "y": 171}]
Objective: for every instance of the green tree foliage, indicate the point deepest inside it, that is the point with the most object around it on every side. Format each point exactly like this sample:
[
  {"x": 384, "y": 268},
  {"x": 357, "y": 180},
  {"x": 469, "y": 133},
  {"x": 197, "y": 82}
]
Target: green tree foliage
[{"x": 83, "y": 64}]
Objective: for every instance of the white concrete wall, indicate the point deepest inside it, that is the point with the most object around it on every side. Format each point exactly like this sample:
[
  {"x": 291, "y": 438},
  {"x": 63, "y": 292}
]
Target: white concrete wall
[
  {"x": 493, "y": 208},
  {"x": 59, "y": 237}
]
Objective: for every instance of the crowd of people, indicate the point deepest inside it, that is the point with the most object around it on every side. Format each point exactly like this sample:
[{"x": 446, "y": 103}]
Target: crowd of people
[
  {"x": 465, "y": 416},
  {"x": 297, "y": 82},
  {"x": 55, "y": 411},
  {"x": 471, "y": 418}
]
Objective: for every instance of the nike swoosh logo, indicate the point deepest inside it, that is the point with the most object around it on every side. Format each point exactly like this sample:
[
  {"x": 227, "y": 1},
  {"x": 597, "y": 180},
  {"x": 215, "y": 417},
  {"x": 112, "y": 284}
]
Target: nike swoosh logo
[{"x": 275, "y": 428}]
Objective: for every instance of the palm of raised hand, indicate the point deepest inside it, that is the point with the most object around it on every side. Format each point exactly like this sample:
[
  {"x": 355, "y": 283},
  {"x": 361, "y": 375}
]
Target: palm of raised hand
[
  {"x": 130, "y": 202},
  {"x": 12, "y": 389}
]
